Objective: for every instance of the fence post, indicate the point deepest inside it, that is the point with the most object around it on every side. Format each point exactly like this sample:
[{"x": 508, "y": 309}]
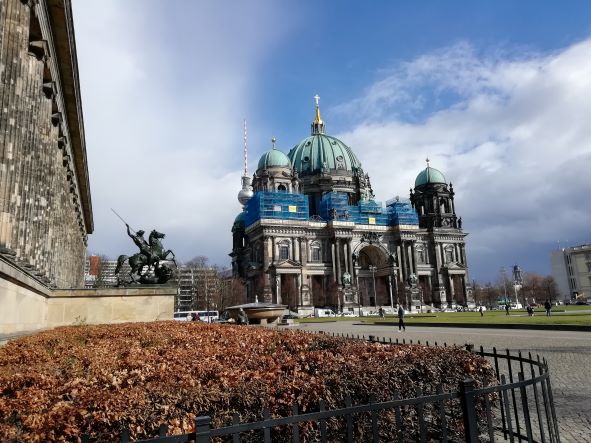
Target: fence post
[
  {"x": 202, "y": 429},
  {"x": 468, "y": 410}
]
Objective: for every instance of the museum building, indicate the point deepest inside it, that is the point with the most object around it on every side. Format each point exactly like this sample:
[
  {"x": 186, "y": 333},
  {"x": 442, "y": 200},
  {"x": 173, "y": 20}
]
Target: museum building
[{"x": 312, "y": 235}]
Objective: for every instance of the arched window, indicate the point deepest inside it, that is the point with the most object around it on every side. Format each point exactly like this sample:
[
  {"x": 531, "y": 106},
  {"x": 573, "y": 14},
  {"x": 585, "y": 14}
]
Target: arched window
[
  {"x": 449, "y": 254},
  {"x": 281, "y": 188},
  {"x": 420, "y": 254},
  {"x": 284, "y": 250},
  {"x": 315, "y": 252}
]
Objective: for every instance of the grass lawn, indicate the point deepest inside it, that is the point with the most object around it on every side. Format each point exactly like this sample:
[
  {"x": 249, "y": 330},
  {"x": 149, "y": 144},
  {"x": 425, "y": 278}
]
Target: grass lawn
[{"x": 561, "y": 315}]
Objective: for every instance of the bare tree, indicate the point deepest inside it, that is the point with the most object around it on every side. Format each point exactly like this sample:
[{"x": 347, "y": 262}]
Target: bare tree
[
  {"x": 103, "y": 278},
  {"x": 532, "y": 287},
  {"x": 550, "y": 288}
]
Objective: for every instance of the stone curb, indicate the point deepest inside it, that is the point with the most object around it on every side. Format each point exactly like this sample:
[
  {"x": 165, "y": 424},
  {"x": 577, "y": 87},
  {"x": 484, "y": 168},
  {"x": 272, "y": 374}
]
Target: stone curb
[{"x": 487, "y": 326}]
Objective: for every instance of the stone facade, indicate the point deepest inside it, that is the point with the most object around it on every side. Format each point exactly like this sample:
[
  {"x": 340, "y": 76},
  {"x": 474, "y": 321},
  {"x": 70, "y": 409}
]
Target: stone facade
[
  {"x": 45, "y": 205},
  {"x": 311, "y": 235},
  {"x": 571, "y": 268}
]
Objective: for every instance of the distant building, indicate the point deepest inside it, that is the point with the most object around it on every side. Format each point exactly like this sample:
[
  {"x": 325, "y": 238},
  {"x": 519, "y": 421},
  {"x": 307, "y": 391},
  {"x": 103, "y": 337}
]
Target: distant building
[
  {"x": 571, "y": 268},
  {"x": 198, "y": 288},
  {"x": 312, "y": 235},
  {"x": 100, "y": 272}
]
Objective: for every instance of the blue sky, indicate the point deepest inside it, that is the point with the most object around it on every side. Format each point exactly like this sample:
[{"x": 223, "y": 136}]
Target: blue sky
[{"x": 495, "y": 93}]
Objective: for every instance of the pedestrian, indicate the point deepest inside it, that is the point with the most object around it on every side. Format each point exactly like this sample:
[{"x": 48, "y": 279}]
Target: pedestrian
[
  {"x": 548, "y": 307},
  {"x": 381, "y": 312},
  {"x": 481, "y": 312},
  {"x": 506, "y": 308},
  {"x": 401, "y": 325},
  {"x": 194, "y": 316}
]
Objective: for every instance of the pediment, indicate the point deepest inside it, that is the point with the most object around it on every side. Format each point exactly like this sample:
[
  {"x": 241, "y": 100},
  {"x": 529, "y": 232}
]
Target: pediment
[
  {"x": 288, "y": 264},
  {"x": 456, "y": 266}
]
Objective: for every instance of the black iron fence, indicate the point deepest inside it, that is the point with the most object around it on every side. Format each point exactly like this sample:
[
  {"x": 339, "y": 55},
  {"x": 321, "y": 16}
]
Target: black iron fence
[{"x": 519, "y": 408}]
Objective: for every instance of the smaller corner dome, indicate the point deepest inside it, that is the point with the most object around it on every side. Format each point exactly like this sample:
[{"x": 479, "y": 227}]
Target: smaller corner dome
[
  {"x": 274, "y": 158},
  {"x": 429, "y": 175},
  {"x": 239, "y": 218}
]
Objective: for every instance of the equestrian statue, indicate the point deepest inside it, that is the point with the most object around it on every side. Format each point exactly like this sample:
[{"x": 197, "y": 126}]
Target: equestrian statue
[{"x": 153, "y": 264}]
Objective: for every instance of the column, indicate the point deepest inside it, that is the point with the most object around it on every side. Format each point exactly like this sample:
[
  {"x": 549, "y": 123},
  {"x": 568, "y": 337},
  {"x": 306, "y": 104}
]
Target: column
[
  {"x": 451, "y": 288},
  {"x": 338, "y": 255},
  {"x": 414, "y": 258},
  {"x": 334, "y": 265},
  {"x": 296, "y": 243},
  {"x": 350, "y": 256},
  {"x": 278, "y": 288},
  {"x": 273, "y": 249},
  {"x": 303, "y": 250},
  {"x": 402, "y": 255}
]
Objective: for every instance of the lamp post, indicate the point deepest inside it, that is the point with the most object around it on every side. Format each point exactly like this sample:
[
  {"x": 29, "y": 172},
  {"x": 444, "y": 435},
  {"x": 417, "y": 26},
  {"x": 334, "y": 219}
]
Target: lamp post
[{"x": 373, "y": 269}]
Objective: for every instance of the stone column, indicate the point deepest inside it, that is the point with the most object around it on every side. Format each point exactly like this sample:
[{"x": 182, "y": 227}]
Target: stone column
[
  {"x": 403, "y": 262},
  {"x": 296, "y": 245},
  {"x": 338, "y": 256},
  {"x": 413, "y": 256},
  {"x": 273, "y": 249},
  {"x": 350, "y": 256},
  {"x": 303, "y": 251},
  {"x": 451, "y": 288},
  {"x": 334, "y": 265}
]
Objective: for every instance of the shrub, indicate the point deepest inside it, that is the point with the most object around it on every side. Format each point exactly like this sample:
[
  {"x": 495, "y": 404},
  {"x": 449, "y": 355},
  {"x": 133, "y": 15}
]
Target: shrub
[{"x": 59, "y": 384}]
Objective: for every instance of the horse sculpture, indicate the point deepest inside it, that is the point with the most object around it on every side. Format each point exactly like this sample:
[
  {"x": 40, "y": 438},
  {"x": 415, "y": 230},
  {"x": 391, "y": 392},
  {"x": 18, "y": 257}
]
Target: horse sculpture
[{"x": 152, "y": 255}]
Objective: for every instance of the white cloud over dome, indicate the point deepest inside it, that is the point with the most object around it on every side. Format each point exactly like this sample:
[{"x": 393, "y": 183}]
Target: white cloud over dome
[{"x": 511, "y": 132}]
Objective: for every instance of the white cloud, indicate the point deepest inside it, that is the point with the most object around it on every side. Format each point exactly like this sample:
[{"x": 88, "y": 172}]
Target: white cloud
[
  {"x": 165, "y": 86},
  {"x": 511, "y": 132}
]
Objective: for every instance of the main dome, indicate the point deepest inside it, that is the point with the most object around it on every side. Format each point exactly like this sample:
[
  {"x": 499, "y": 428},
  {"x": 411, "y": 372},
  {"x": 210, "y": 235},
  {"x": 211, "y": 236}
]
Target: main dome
[
  {"x": 429, "y": 175},
  {"x": 320, "y": 151},
  {"x": 273, "y": 159}
]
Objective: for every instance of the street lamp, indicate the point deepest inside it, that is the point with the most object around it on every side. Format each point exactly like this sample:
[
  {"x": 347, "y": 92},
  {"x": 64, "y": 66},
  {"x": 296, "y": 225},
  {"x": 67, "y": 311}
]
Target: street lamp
[
  {"x": 357, "y": 269},
  {"x": 373, "y": 269}
]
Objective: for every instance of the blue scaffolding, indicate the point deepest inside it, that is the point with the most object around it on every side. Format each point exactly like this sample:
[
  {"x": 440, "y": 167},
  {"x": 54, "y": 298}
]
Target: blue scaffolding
[
  {"x": 276, "y": 205},
  {"x": 334, "y": 206}
]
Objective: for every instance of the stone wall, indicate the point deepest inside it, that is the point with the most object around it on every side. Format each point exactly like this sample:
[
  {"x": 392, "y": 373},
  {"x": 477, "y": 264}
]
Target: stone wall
[
  {"x": 45, "y": 207},
  {"x": 28, "y": 305},
  {"x": 110, "y": 305},
  {"x": 23, "y": 300}
]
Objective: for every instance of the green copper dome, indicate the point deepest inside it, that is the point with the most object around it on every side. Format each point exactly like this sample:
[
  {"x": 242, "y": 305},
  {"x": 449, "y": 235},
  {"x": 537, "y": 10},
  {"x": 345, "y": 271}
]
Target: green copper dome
[
  {"x": 320, "y": 151},
  {"x": 273, "y": 159},
  {"x": 429, "y": 175},
  {"x": 239, "y": 218}
]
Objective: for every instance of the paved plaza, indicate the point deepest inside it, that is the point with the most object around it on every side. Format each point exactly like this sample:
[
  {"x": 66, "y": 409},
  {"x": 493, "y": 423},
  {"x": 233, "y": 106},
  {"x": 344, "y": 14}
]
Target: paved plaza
[{"x": 568, "y": 355}]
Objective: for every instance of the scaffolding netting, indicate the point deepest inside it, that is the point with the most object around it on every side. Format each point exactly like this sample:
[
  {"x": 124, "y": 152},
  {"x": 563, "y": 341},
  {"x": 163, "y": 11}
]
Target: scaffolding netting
[{"x": 276, "y": 205}]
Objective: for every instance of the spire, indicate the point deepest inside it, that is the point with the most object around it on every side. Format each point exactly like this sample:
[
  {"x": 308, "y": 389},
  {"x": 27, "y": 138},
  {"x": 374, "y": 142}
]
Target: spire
[
  {"x": 317, "y": 124},
  {"x": 245, "y": 152},
  {"x": 246, "y": 192},
  {"x": 273, "y": 141}
]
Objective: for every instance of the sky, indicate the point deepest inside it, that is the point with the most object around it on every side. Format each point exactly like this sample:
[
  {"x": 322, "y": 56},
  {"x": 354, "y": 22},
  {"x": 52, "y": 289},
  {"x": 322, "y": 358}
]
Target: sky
[{"x": 496, "y": 94}]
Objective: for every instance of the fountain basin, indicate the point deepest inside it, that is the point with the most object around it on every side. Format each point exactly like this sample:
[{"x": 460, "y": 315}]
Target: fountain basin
[{"x": 258, "y": 312}]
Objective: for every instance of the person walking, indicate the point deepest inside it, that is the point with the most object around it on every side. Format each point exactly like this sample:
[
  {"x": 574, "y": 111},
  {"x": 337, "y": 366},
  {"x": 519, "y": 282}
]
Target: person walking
[
  {"x": 548, "y": 307},
  {"x": 401, "y": 325},
  {"x": 481, "y": 312},
  {"x": 506, "y": 308}
]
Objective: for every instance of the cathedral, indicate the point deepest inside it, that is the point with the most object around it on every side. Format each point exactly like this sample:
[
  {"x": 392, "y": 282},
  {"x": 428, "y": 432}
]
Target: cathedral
[{"x": 312, "y": 235}]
